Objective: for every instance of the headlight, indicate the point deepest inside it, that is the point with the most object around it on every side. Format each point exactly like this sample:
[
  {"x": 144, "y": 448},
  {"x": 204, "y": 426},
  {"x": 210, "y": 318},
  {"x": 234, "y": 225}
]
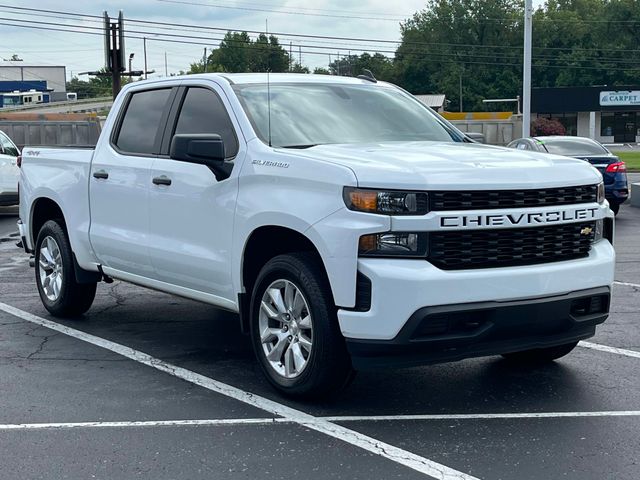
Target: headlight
[
  {"x": 386, "y": 202},
  {"x": 393, "y": 244},
  {"x": 600, "y": 193}
]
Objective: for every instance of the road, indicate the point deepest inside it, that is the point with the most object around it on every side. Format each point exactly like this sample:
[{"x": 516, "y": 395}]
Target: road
[
  {"x": 8, "y": 218},
  {"x": 206, "y": 411}
]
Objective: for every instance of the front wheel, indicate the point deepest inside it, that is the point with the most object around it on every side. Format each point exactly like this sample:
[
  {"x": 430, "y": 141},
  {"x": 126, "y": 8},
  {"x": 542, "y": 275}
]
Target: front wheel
[
  {"x": 541, "y": 355},
  {"x": 59, "y": 291},
  {"x": 294, "y": 328}
]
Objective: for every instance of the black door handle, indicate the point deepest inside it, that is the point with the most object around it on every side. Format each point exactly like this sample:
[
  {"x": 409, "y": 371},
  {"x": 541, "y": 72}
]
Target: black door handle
[
  {"x": 163, "y": 180},
  {"x": 101, "y": 174}
]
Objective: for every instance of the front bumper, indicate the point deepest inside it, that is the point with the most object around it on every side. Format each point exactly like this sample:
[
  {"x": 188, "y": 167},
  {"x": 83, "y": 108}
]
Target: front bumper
[
  {"x": 400, "y": 287},
  {"x": 454, "y": 332}
]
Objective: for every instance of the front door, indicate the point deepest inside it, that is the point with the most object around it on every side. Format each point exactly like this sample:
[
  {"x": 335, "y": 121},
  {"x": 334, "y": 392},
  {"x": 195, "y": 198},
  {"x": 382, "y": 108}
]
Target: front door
[
  {"x": 625, "y": 128},
  {"x": 190, "y": 212},
  {"x": 120, "y": 181}
]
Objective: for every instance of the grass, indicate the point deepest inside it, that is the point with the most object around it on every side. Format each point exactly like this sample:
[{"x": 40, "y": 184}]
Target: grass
[{"x": 632, "y": 159}]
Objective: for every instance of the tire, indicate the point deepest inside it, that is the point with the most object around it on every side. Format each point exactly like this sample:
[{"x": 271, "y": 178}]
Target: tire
[
  {"x": 61, "y": 294},
  {"x": 615, "y": 208},
  {"x": 540, "y": 355},
  {"x": 319, "y": 365}
]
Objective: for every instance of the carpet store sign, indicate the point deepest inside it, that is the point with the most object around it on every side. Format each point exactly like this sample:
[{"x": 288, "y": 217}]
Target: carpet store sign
[{"x": 612, "y": 99}]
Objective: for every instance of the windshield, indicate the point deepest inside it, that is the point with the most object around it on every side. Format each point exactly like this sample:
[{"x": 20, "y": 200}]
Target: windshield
[
  {"x": 574, "y": 147},
  {"x": 304, "y": 115}
]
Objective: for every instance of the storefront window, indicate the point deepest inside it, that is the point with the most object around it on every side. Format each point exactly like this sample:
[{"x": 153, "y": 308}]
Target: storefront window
[{"x": 606, "y": 124}]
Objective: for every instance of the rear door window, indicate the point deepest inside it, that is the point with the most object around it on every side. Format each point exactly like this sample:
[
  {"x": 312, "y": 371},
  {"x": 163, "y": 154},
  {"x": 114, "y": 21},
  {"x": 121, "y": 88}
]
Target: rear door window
[
  {"x": 142, "y": 121},
  {"x": 203, "y": 112}
]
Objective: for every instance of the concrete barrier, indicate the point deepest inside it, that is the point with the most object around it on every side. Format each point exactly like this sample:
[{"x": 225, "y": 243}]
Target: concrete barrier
[
  {"x": 496, "y": 132},
  {"x": 635, "y": 194},
  {"x": 52, "y": 132}
]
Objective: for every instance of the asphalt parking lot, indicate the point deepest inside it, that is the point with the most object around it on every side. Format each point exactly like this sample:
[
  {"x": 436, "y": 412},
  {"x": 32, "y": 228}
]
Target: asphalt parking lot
[{"x": 148, "y": 385}]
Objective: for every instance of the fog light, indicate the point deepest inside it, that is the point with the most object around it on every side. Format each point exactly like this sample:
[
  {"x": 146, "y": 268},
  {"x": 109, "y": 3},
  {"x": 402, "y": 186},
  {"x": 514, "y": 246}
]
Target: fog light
[{"x": 393, "y": 244}]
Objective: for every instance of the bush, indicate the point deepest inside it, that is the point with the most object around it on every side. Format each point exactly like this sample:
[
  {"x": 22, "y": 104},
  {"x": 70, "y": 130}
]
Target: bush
[{"x": 546, "y": 126}]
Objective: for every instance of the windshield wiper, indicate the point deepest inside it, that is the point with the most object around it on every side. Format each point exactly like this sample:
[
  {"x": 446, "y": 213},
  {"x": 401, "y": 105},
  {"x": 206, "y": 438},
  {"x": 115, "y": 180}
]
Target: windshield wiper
[{"x": 301, "y": 146}]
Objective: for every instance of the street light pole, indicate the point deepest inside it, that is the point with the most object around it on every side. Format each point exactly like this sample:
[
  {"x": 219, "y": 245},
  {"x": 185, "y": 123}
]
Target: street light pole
[{"x": 526, "y": 81}]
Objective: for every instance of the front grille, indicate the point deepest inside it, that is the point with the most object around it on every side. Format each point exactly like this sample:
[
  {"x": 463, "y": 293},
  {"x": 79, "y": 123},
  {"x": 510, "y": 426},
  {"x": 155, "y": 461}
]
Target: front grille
[
  {"x": 481, "y": 199},
  {"x": 510, "y": 247}
]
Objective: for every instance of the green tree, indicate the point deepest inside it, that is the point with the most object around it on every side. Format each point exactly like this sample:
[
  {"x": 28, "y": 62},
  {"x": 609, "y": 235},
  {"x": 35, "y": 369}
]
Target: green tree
[
  {"x": 468, "y": 39},
  {"x": 238, "y": 53},
  {"x": 298, "y": 68}
]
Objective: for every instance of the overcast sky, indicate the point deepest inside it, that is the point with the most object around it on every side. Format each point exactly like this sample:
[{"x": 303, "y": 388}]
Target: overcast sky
[{"x": 380, "y": 19}]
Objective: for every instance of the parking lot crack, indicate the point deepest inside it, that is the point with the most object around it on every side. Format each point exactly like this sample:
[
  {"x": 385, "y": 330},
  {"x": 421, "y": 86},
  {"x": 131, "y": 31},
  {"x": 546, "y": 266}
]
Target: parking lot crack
[{"x": 42, "y": 343}]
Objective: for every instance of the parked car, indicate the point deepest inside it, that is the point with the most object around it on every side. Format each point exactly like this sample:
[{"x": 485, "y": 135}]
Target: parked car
[
  {"x": 613, "y": 170},
  {"x": 9, "y": 171},
  {"x": 346, "y": 223}
]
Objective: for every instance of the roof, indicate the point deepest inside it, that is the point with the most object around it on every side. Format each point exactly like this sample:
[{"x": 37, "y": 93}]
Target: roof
[
  {"x": 433, "y": 101},
  {"x": 246, "y": 78}
]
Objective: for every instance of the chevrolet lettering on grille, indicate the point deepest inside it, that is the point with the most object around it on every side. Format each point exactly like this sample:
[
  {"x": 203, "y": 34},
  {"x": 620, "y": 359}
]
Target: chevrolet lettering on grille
[{"x": 517, "y": 219}]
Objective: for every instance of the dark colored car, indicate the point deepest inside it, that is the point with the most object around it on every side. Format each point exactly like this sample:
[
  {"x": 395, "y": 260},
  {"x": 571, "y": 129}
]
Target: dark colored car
[{"x": 613, "y": 170}]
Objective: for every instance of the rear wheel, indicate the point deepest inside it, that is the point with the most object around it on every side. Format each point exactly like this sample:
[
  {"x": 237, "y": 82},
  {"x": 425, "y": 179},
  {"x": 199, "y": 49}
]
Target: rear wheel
[
  {"x": 59, "y": 291},
  {"x": 541, "y": 355},
  {"x": 294, "y": 328}
]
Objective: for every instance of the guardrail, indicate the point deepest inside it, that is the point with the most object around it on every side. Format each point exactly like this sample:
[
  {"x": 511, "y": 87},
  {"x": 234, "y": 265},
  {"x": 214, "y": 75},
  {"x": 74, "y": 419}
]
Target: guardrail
[{"x": 72, "y": 103}]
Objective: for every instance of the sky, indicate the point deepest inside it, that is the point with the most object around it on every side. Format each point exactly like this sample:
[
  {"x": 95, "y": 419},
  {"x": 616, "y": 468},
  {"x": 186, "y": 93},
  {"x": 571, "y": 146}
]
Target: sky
[{"x": 379, "y": 19}]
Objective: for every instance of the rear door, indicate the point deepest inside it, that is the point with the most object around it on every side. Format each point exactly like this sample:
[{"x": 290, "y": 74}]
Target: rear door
[
  {"x": 121, "y": 179},
  {"x": 190, "y": 212}
]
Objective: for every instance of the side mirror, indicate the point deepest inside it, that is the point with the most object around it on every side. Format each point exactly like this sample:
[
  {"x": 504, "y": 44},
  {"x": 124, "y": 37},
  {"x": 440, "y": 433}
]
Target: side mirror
[{"x": 203, "y": 149}]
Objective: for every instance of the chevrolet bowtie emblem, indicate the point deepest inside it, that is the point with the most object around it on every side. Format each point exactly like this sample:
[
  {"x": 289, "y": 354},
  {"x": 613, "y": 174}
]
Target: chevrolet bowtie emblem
[{"x": 586, "y": 231}]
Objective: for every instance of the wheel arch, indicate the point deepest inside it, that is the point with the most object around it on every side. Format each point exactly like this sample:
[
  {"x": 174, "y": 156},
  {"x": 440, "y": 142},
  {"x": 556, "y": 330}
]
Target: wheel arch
[
  {"x": 263, "y": 244},
  {"x": 44, "y": 209}
]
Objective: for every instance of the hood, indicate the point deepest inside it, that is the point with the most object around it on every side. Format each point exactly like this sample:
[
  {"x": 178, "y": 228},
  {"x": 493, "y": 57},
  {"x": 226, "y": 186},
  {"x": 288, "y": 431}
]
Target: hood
[{"x": 450, "y": 166}]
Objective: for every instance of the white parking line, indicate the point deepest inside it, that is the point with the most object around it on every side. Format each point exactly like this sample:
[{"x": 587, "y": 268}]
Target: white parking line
[
  {"x": 346, "y": 418},
  {"x": 627, "y": 284},
  {"x": 372, "y": 445},
  {"x": 483, "y": 416},
  {"x": 152, "y": 423},
  {"x": 608, "y": 349}
]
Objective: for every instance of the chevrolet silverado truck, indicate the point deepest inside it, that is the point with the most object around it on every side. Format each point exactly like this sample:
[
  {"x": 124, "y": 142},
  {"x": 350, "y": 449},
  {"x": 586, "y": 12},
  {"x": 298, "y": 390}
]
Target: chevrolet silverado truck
[{"x": 347, "y": 224}]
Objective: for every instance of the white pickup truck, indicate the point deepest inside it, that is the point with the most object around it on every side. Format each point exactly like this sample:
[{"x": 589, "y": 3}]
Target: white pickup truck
[{"x": 349, "y": 225}]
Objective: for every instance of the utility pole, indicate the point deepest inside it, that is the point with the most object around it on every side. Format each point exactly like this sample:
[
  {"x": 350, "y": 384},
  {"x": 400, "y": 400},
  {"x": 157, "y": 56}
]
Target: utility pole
[
  {"x": 290, "y": 57},
  {"x": 204, "y": 60},
  {"x": 526, "y": 80},
  {"x": 166, "y": 68},
  {"x": 114, "y": 54},
  {"x": 461, "y": 87},
  {"x": 144, "y": 46}
]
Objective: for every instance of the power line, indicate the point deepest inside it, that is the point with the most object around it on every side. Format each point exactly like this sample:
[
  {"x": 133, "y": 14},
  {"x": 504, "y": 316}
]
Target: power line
[
  {"x": 286, "y": 12},
  {"x": 150, "y": 34},
  {"x": 325, "y": 37}
]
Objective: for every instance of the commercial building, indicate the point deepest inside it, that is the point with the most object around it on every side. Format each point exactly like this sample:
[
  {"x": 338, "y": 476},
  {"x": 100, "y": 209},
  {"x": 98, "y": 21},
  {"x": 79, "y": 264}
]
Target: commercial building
[
  {"x": 54, "y": 76},
  {"x": 606, "y": 114}
]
